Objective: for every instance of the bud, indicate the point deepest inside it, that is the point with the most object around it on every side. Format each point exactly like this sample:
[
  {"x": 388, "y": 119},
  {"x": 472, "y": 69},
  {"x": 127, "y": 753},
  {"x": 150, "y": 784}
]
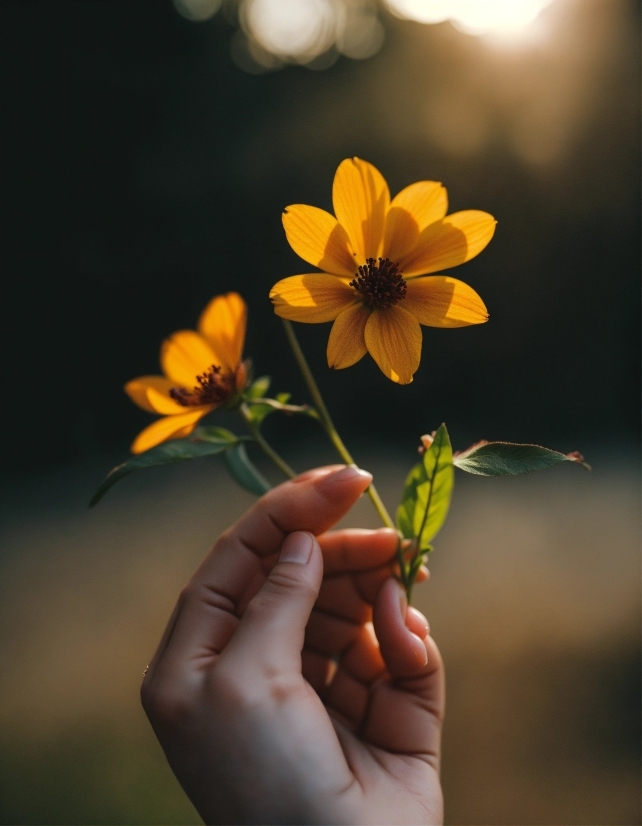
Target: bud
[{"x": 426, "y": 442}]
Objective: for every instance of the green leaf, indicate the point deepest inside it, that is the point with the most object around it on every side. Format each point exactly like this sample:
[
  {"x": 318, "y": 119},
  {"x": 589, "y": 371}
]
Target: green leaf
[
  {"x": 508, "y": 459},
  {"x": 243, "y": 471},
  {"x": 204, "y": 441},
  {"x": 259, "y": 412},
  {"x": 427, "y": 493},
  {"x": 258, "y": 388},
  {"x": 406, "y": 510},
  {"x": 434, "y": 495},
  {"x": 214, "y": 434}
]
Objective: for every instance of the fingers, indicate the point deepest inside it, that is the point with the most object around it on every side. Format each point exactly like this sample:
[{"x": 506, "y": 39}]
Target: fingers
[
  {"x": 269, "y": 638},
  {"x": 312, "y": 502},
  {"x": 357, "y": 549},
  {"x": 402, "y": 647},
  {"x": 234, "y": 571},
  {"x": 406, "y": 712},
  {"x": 349, "y": 692}
]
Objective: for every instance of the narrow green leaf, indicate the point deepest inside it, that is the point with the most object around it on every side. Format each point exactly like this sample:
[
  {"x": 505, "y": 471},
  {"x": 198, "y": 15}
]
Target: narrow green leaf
[
  {"x": 202, "y": 442},
  {"x": 427, "y": 493},
  {"x": 258, "y": 388},
  {"x": 243, "y": 470},
  {"x": 508, "y": 459},
  {"x": 434, "y": 495}
]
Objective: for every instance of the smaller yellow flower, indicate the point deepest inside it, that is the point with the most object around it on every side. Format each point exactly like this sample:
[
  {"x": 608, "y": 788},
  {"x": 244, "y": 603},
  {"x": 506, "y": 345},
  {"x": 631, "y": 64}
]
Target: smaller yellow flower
[
  {"x": 203, "y": 370},
  {"x": 372, "y": 254}
]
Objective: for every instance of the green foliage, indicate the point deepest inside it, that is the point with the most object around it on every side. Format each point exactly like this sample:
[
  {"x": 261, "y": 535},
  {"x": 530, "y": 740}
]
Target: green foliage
[
  {"x": 259, "y": 388},
  {"x": 427, "y": 493},
  {"x": 258, "y": 412},
  {"x": 204, "y": 441},
  {"x": 214, "y": 435},
  {"x": 243, "y": 470},
  {"x": 508, "y": 459}
]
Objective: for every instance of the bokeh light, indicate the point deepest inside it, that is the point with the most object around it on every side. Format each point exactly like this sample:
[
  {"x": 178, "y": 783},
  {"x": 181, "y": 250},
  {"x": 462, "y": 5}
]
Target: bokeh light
[
  {"x": 197, "y": 10},
  {"x": 312, "y": 33},
  {"x": 472, "y": 16},
  {"x": 360, "y": 33},
  {"x": 290, "y": 29}
]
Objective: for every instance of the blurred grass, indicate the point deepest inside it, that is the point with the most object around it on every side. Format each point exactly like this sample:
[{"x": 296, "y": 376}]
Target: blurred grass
[{"x": 534, "y": 601}]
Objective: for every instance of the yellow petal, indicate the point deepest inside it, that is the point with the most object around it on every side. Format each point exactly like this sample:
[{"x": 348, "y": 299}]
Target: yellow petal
[
  {"x": 152, "y": 394},
  {"x": 393, "y": 338},
  {"x": 361, "y": 199},
  {"x": 169, "y": 427},
  {"x": 319, "y": 239},
  {"x": 223, "y": 324},
  {"x": 347, "y": 344},
  {"x": 448, "y": 243},
  {"x": 411, "y": 211},
  {"x": 185, "y": 355},
  {"x": 440, "y": 301},
  {"x": 312, "y": 298}
]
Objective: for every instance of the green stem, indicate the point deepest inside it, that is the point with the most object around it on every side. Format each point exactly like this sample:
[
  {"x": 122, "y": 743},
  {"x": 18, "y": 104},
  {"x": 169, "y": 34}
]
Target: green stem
[
  {"x": 327, "y": 422},
  {"x": 266, "y": 448},
  {"x": 402, "y": 569}
]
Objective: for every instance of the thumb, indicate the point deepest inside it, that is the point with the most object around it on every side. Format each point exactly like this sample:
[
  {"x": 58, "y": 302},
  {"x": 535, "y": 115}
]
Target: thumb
[{"x": 271, "y": 633}]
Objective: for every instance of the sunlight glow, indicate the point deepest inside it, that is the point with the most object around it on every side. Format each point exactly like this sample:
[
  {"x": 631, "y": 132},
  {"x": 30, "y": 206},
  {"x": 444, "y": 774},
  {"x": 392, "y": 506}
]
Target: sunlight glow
[{"x": 472, "y": 16}]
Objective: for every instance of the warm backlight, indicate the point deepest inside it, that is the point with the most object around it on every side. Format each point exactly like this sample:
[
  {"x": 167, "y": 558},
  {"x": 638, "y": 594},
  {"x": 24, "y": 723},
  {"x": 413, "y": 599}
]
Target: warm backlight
[{"x": 472, "y": 16}]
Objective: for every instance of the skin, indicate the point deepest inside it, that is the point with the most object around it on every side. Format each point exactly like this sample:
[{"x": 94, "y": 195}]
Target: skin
[{"x": 293, "y": 684}]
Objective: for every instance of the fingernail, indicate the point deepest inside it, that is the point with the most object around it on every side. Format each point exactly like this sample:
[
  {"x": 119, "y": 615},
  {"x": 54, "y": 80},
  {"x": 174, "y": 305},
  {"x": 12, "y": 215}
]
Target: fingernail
[
  {"x": 418, "y": 622},
  {"x": 346, "y": 474},
  {"x": 297, "y": 548},
  {"x": 403, "y": 601},
  {"x": 307, "y": 475}
]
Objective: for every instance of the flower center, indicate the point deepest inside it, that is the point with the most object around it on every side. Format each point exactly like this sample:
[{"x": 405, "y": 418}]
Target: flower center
[
  {"x": 381, "y": 285},
  {"x": 214, "y": 387}
]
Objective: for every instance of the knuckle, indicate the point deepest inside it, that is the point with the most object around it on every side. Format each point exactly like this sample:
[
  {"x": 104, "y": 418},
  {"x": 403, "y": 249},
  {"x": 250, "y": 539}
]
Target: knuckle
[
  {"x": 285, "y": 579},
  {"x": 267, "y": 689},
  {"x": 231, "y": 692},
  {"x": 282, "y": 689},
  {"x": 164, "y": 702}
]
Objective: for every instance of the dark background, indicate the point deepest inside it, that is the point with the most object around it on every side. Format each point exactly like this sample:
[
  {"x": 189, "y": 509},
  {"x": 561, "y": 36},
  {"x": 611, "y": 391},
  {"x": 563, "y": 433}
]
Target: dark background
[{"x": 145, "y": 172}]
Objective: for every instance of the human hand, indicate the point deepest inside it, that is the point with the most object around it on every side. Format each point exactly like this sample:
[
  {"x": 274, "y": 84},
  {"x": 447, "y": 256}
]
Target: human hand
[{"x": 269, "y": 693}]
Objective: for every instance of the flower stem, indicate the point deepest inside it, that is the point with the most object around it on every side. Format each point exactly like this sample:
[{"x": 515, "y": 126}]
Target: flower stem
[
  {"x": 327, "y": 422},
  {"x": 266, "y": 448}
]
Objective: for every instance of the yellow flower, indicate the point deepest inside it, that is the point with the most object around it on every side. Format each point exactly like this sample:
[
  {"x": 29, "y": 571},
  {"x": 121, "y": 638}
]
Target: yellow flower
[
  {"x": 371, "y": 254},
  {"x": 203, "y": 370}
]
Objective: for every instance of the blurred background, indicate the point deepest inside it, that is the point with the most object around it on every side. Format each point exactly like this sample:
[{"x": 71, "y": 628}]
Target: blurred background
[{"x": 149, "y": 149}]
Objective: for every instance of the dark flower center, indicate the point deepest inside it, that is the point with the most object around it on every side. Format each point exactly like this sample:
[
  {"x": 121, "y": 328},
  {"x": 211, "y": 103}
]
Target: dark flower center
[
  {"x": 380, "y": 285},
  {"x": 214, "y": 387}
]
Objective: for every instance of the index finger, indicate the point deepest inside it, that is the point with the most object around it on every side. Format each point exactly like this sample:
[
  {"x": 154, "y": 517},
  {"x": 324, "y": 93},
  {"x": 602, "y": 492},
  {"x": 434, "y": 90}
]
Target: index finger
[
  {"x": 357, "y": 549},
  {"x": 232, "y": 573}
]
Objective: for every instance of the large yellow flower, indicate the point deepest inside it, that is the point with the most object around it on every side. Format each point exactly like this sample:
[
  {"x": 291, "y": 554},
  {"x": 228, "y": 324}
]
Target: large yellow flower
[
  {"x": 203, "y": 370},
  {"x": 371, "y": 254}
]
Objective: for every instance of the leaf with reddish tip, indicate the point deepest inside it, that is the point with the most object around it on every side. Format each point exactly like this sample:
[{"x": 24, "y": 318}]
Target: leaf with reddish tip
[{"x": 509, "y": 459}]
